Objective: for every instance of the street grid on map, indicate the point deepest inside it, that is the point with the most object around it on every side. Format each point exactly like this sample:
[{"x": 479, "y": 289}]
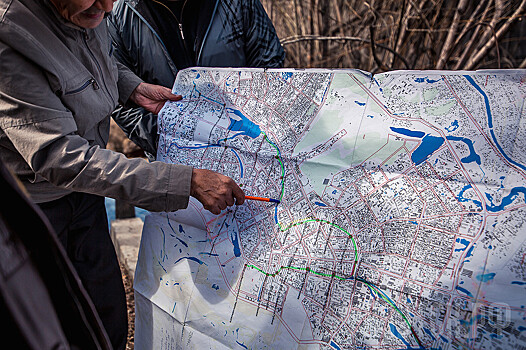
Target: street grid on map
[{"x": 401, "y": 221}]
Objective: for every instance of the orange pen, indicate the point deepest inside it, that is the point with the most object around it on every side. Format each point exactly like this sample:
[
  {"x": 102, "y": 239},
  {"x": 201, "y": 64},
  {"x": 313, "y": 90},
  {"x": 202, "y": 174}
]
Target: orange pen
[{"x": 263, "y": 199}]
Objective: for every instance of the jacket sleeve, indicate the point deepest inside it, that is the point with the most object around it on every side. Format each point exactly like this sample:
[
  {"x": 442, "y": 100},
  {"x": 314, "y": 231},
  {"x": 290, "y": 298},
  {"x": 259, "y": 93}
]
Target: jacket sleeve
[
  {"x": 262, "y": 46},
  {"x": 140, "y": 126},
  {"x": 137, "y": 123},
  {"x": 127, "y": 82},
  {"x": 44, "y": 133},
  {"x": 118, "y": 48}
]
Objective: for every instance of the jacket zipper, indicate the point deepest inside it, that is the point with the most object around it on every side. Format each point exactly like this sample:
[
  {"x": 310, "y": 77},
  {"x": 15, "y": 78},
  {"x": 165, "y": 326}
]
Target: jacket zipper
[
  {"x": 163, "y": 47},
  {"x": 85, "y": 37},
  {"x": 179, "y": 23},
  {"x": 180, "y": 28},
  {"x": 108, "y": 94},
  {"x": 206, "y": 34},
  {"x": 84, "y": 86},
  {"x": 182, "y": 33}
]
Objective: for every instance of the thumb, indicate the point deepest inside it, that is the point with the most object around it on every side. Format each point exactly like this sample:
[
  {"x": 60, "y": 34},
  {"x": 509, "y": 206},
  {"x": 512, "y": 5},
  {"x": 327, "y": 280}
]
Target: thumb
[{"x": 166, "y": 94}]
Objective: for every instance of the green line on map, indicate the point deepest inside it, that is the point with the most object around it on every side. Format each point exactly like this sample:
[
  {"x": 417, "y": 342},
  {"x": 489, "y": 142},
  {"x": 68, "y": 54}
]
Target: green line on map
[
  {"x": 282, "y": 166},
  {"x": 378, "y": 292}
]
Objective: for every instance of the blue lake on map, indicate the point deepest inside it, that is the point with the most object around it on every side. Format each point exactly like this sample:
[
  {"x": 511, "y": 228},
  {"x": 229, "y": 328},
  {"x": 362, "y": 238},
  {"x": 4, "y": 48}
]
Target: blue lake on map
[
  {"x": 454, "y": 126},
  {"x": 486, "y": 277},
  {"x": 432, "y": 143},
  {"x": 429, "y": 145},
  {"x": 245, "y": 125},
  {"x": 410, "y": 133},
  {"x": 463, "y": 290},
  {"x": 473, "y": 156},
  {"x": 463, "y": 241},
  {"x": 235, "y": 243}
]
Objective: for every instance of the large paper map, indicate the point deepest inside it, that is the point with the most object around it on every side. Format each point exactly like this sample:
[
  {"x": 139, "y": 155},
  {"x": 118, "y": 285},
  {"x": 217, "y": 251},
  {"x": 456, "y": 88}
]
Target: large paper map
[{"x": 402, "y": 221}]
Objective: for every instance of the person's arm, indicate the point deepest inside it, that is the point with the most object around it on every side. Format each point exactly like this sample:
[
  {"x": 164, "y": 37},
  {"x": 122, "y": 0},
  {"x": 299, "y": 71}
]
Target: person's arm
[
  {"x": 119, "y": 51},
  {"x": 139, "y": 124},
  {"x": 262, "y": 46},
  {"x": 44, "y": 132},
  {"x": 215, "y": 191}
]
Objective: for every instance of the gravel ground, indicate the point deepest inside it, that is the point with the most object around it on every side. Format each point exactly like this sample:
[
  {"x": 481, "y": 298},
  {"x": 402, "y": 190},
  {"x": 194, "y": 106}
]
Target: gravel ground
[{"x": 128, "y": 287}]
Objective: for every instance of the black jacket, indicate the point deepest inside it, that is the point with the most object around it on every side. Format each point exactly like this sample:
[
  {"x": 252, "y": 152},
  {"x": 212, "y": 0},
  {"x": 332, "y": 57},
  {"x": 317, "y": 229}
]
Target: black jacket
[{"x": 238, "y": 34}]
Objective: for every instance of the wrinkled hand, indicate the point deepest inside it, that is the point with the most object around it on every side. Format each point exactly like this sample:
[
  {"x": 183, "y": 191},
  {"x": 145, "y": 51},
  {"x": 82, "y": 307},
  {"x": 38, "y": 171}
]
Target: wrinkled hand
[
  {"x": 152, "y": 97},
  {"x": 215, "y": 191}
]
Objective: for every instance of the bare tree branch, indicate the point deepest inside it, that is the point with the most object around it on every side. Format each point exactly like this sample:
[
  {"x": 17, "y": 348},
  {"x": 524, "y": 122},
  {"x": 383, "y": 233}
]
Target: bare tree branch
[
  {"x": 476, "y": 59},
  {"x": 407, "y": 34},
  {"x": 444, "y": 54}
]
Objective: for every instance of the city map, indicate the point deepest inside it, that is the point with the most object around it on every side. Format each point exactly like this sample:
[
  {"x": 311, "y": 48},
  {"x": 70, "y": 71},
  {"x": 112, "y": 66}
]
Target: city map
[{"x": 401, "y": 222}]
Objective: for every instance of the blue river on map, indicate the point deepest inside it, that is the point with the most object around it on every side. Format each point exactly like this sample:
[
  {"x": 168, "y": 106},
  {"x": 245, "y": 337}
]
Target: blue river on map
[
  {"x": 490, "y": 121},
  {"x": 199, "y": 261},
  {"x": 214, "y": 145},
  {"x": 460, "y": 196},
  {"x": 444, "y": 339},
  {"x": 430, "y": 144},
  {"x": 429, "y": 333},
  {"x": 397, "y": 334},
  {"x": 473, "y": 156},
  {"x": 470, "y": 253},
  {"x": 244, "y": 125},
  {"x": 506, "y": 200},
  {"x": 334, "y": 345}
]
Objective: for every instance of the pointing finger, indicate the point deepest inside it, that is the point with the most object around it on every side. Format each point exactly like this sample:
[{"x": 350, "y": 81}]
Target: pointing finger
[{"x": 239, "y": 195}]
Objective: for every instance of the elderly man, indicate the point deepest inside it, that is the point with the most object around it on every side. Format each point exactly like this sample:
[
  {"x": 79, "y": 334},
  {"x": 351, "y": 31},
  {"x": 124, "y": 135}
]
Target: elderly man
[{"x": 58, "y": 86}]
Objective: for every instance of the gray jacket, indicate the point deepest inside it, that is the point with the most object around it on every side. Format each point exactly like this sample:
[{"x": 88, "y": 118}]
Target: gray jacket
[
  {"x": 239, "y": 34},
  {"x": 58, "y": 86}
]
